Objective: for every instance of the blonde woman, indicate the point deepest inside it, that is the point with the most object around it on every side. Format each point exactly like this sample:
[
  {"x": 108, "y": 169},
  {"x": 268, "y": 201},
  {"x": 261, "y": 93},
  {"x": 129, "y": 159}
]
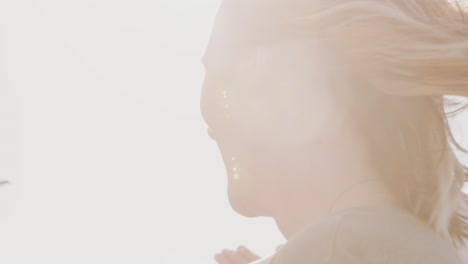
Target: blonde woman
[{"x": 331, "y": 118}]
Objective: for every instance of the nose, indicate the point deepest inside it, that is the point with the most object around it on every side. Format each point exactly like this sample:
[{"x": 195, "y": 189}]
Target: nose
[{"x": 211, "y": 133}]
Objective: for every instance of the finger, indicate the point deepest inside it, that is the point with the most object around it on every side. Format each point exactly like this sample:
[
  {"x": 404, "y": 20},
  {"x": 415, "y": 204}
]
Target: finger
[
  {"x": 247, "y": 254},
  {"x": 221, "y": 259},
  {"x": 234, "y": 257}
]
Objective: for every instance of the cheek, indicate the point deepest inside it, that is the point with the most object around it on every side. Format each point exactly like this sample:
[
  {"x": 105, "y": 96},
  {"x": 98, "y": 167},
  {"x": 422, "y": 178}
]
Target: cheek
[
  {"x": 286, "y": 120},
  {"x": 287, "y": 110},
  {"x": 277, "y": 161},
  {"x": 277, "y": 165}
]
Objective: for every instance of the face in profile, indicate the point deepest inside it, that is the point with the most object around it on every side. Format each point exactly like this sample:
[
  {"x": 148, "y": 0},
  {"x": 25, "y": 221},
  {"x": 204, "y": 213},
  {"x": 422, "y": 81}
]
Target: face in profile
[{"x": 266, "y": 105}]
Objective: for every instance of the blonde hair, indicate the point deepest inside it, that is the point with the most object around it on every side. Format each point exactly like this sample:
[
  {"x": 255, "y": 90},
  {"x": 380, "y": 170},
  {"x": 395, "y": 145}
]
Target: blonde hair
[
  {"x": 396, "y": 60},
  {"x": 402, "y": 57}
]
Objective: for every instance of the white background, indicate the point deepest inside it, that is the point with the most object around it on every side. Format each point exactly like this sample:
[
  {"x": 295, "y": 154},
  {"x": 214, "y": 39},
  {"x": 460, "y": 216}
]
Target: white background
[{"x": 103, "y": 140}]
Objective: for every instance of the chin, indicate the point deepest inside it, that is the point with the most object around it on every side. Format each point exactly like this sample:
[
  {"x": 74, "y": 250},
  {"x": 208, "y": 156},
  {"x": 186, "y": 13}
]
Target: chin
[{"x": 243, "y": 204}]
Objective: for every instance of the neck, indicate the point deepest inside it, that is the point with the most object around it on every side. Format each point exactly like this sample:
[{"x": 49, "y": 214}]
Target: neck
[{"x": 294, "y": 217}]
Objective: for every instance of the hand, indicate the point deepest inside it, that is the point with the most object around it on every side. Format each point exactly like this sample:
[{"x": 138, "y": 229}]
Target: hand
[{"x": 240, "y": 256}]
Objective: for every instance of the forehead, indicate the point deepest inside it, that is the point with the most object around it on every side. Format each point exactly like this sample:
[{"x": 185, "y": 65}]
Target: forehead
[{"x": 241, "y": 25}]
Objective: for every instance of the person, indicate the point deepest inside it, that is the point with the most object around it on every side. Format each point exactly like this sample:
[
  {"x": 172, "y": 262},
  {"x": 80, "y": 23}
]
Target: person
[{"x": 331, "y": 117}]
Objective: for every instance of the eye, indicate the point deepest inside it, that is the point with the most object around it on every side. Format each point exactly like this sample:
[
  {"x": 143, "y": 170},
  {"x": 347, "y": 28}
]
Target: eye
[{"x": 210, "y": 133}]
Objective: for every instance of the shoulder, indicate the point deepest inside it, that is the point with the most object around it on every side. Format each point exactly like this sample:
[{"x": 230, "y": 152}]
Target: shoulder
[
  {"x": 368, "y": 236},
  {"x": 390, "y": 235}
]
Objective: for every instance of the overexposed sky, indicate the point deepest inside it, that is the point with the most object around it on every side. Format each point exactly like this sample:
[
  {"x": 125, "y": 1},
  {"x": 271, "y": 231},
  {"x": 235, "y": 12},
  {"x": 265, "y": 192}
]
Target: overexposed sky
[
  {"x": 115, "y": 165},
  {"x": 99, "y": 102}
]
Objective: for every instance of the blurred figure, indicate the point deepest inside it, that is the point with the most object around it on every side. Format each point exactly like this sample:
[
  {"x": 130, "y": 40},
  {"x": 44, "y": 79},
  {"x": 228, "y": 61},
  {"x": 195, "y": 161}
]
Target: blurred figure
[
  {"x": 9, "y": 151},
  {"x": 331, "y": 118}
]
